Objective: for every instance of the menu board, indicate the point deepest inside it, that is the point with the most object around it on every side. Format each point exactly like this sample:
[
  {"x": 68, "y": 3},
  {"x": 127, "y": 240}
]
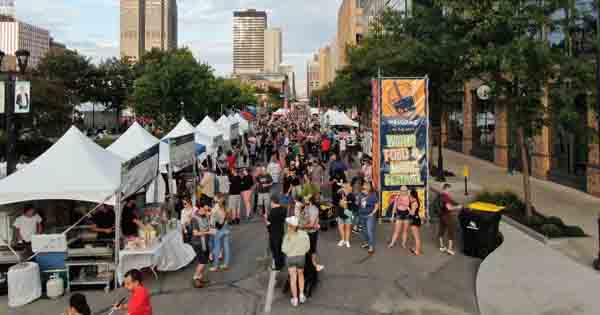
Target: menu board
[{"x": 402, "y": 145}]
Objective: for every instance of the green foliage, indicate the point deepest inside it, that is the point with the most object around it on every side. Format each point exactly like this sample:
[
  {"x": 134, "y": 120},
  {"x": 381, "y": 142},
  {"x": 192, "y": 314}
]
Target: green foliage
[
  {"x": 515, "y": 208},
  {"x": 551, "y": 230},
  {"x": 173, "y": 86}
]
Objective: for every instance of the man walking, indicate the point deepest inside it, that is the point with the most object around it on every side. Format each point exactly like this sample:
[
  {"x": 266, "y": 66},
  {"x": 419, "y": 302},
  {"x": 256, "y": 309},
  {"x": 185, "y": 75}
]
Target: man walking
[
  {"x": 275, "y": 220},
  {"x": 139, "y": 302},
  {"x": 264, "y": 182}
]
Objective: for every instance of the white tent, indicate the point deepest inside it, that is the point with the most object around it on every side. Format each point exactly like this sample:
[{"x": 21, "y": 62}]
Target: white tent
[
  {"x": 281, "y": 111},
  {"x": 231, "y": 129},
  {"x": 314, "y": 111},
  {"x": 181, "y": 129},
  {"x": 337, "y": 118},
  {"x": 74, "y": 168},
  {"x": 209, "y": 134},
  {"x": 133, "y": 142},
  {"x": 244, "y": 124}
]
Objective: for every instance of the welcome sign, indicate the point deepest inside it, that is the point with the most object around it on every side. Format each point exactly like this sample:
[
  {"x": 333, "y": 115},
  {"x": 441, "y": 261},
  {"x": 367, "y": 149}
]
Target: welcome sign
[{"x": 402, "y": 127}]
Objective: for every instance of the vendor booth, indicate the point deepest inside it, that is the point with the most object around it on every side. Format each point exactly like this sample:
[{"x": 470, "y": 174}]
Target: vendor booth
[
  {"x": 336, "y": 118},
  {"x": 75, "y": 168},
  {"x": 231, "y": 129},
  {"x": 209, "y": 134},
  {"x": 244, "y": 124}
]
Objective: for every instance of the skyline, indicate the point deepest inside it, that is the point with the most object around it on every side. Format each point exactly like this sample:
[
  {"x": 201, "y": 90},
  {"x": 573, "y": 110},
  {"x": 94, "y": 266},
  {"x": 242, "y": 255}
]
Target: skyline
[{"x": 92, "y": 27}]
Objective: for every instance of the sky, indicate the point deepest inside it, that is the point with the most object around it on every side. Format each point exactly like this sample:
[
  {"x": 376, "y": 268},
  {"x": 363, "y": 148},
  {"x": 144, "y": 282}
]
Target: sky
[{"x": 205, "y": 26}]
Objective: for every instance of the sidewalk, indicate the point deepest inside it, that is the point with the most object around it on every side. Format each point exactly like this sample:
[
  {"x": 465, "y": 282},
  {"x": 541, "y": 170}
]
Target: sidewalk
[{"x": 573, "y": 206}]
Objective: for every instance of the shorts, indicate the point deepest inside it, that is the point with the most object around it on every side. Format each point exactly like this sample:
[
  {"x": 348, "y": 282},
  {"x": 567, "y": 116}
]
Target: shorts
[
  {"x": 234, "y": 202},
  {"x": 296, "y": 261},
  {"x": 402, "y": 215},
  {"x": 415, "y": 220},
  {"x": 348, "y": 220},
  {"x": 313, "y": 237},
  {"x": 202, "y": 255}
]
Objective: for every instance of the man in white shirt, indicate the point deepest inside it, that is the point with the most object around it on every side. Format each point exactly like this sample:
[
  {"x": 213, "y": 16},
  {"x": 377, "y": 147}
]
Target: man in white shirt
[
  {"x": 274, "y": 169},
  {"x": 27, "y": 225}
]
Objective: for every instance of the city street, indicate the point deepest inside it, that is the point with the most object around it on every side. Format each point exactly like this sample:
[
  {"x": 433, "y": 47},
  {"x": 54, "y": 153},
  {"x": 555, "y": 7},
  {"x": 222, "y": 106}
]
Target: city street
[{"x": 390, "y": 282}]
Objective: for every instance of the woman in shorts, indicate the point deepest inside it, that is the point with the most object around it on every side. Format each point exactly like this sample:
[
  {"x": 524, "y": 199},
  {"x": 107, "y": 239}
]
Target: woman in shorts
[
  {"x": 414, "y": 215},
  {"x": 345, "y": 214},
  {"x": 401, "y": 217},
  {"x": 295, "y": 246}
]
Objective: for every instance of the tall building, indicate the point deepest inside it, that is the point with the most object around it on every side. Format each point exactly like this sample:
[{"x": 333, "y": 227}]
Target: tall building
[
  {"x": 288, "y": 71},
  {"x": 147, "y": 24},
  {"x": 7, "y": 8},
  {"x": 15, "y": 35},
  {"x": 249, "y": 41},
  {"x": 350, "y": 28},
  {"x": 273, "y": 51},
  {"x": 324, "y": 66},
  {"x": 312, "y": 75}
]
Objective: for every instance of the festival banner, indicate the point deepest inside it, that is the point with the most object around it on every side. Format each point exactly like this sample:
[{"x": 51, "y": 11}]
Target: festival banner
[
  {"x": 139, "y": 171},
  {"x": 182, "y": 151},
  {"x": 403, "y": 129}
]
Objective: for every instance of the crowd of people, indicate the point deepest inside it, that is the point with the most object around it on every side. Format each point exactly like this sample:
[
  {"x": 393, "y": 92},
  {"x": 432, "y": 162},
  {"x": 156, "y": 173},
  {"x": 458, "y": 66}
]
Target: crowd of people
[{"x": 284, "y": 173}]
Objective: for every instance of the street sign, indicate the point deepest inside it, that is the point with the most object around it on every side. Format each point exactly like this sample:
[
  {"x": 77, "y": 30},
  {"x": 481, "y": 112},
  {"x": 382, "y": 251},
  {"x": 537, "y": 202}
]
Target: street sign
[
  {"x": 483, "y": 92},
  {"x": 2, "y": 97},
  {"x": 22, "y": 97}
]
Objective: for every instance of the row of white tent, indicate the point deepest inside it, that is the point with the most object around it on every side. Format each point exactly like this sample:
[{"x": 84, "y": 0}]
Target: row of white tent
[
  {"x": 76, "y": 168},
  {"x": 337, "y": 118}
]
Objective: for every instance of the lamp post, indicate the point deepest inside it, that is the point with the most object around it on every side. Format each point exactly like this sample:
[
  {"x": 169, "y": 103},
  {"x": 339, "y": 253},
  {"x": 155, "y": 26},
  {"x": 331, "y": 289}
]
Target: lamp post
[{"x": 10, "y": 83}]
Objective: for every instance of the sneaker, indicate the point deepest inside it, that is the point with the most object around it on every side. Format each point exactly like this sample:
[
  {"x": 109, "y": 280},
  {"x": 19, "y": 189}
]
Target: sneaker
[
  {"x": 364, "y": 245},
  {"x": 348, "y": 245},
  {"x": 371, "y": 251},
  {"x": 450, "y": 252},
  {"x": 302, "y": 299},
  {"x": 224, "y": 267},
  {"x": 294, "y": 302},
  {"x": 341, "y": 243},
  {"x": 443, "y": 249}
]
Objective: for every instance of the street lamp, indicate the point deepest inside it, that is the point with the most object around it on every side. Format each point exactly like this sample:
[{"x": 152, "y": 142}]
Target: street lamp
[{"x": 10, "y": 85}]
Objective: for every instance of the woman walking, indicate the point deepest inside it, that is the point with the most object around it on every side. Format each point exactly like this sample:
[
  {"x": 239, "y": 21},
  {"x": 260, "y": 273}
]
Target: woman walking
[
  {"x": 414, "y": 209},
  {"x": 401, "y": 217},
  {"x": 222, "y": 235},
  {"x": 369, "y": 205},
  {"x": 345, "y": 214},
  {"x": 247, "y": 184},
  {"x": 295, "y": 246}
]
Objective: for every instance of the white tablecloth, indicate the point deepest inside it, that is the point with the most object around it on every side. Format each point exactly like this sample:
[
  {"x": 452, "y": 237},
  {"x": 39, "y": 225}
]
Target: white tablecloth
[
  {"x": 24, "y": 284},
  {"x": 170, "y": 254}
]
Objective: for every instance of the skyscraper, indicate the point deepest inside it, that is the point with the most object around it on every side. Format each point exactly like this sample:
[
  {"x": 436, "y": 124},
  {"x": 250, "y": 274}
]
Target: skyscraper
[
  {"x": 273, "y": 53},
  {"x": 312, "y": 75},
  {"x": 15, "y": 35},
  {"x": 147, "y": 24},
  {"x": 350, "y": 28},
  {"x": 249, "y": 41}
]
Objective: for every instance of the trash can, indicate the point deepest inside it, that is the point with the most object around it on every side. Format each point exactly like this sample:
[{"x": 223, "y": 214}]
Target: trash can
[{"x": 479, "y": 223}]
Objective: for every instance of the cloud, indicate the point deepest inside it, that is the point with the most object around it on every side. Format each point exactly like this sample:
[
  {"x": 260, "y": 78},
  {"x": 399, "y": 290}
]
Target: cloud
[{"x": 205, "y": 26}]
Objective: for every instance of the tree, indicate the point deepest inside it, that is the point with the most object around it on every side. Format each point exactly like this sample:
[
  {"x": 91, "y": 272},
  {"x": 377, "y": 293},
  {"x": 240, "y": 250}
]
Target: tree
[{"x": 174, "y": 85}]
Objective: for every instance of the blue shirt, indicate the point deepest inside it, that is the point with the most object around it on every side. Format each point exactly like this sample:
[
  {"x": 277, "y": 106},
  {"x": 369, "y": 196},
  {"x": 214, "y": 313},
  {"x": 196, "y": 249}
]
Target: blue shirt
[
  {"x": 367, "y": 203},
  {"x": 337, "y": 166}
]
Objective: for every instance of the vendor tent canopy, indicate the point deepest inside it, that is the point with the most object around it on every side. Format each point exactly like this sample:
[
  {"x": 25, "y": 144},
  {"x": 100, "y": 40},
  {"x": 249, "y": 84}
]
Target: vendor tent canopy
[
  {"x": 231, "y": 128},
  {"x": 133, "y": 142},
  {"x": 244, "y": 125},
  {"x": 181, "y": 129},
  {"x": 74, "y": 168},
  {"x": 209, "y": 134},
  {"x": 337, "y": 118},
  {"x": 281, "y": 112}
]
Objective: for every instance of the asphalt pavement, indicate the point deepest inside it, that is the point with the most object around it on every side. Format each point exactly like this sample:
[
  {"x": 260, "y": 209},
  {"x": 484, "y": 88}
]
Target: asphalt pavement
[{"x": 390, "y": 282}]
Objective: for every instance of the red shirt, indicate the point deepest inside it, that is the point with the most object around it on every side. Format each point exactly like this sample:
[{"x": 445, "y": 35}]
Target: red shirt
[
  {"x": 446, "y": 200},
  {"x": 325, "y": 145},
  {"x": 231, "y": 161},
  {"x": 139, "y": 303}
]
